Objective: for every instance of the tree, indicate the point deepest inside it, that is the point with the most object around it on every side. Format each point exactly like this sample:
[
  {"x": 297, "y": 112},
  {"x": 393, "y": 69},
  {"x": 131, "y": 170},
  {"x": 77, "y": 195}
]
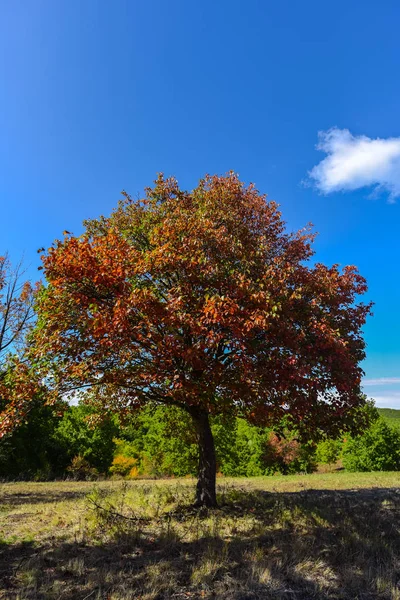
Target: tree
[
  {"x": 31, "y": 450},
  {"x": 378, "y": 449},
  {"x": 328, "y": 451},
  {"x": 94, "y": 442},
  {"x": 162, "y": 439},
  {"x": 16, "y": 309},
  {"x": 202, "y": 300},
  {"x": 18, "y": 384}
]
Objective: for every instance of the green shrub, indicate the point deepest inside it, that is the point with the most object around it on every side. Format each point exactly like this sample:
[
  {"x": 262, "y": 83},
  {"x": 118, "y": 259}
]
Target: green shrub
[
  {"x": 285, "y": 454},
  {"x": 76, "y": 436},
  {"x": 239, "y": 448},
  {"x": 81, "y": 470},
  {"x": 328, "y": 451},
  {"x": 123, "y": 465},
  {"x": 255, "y": 451},
  {"x": 378, "y": 449},
  {"x": 163, "y": 440}
]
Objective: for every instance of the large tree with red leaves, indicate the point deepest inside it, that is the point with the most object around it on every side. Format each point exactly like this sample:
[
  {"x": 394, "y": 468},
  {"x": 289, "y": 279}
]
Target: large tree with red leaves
[{"x": 202, "y": 300}]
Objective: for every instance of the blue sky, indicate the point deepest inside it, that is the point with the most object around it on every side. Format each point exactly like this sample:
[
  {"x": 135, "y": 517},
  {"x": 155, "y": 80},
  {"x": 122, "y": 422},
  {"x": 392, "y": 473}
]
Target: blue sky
[{"x": 97, "y": 96}]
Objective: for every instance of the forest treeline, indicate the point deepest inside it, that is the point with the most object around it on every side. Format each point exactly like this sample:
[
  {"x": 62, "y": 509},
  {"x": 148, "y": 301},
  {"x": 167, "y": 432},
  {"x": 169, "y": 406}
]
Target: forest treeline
[{"x": 160, "y": 442}]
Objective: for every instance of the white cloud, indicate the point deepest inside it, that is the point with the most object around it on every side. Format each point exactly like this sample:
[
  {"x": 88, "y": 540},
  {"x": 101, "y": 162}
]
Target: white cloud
[
  {"x": 354, "y": 162},
  {"x": 387, "y": 401},
  {"x": 381, "y": 381}
]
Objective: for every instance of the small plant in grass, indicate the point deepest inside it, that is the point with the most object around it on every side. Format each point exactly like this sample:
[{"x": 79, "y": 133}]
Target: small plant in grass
[
  {"x": 111, "y": 518},
  {"x": 213, "y": 560}
]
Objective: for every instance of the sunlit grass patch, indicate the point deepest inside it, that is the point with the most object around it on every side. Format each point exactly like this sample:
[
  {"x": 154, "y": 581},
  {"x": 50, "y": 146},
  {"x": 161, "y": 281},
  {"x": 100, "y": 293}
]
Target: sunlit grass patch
[{"x": 284, "y": 538}]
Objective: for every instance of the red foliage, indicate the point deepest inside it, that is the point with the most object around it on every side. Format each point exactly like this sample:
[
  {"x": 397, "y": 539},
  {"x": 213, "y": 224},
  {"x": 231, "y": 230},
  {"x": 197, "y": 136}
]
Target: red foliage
[
  {"x": 282, "y": 450},
  {"x": 202, "y": 299}
]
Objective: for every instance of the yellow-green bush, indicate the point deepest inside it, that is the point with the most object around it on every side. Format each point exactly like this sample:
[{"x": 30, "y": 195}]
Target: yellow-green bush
[{"x": 123, "y": 465}]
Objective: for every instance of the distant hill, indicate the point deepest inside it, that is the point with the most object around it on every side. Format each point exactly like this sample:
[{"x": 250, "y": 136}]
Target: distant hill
[{"x": 391, "y": 416}]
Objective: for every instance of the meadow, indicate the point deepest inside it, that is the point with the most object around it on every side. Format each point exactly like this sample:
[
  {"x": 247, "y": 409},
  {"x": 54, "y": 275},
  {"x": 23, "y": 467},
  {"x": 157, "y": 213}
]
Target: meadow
[{"x": 322, "y": 536}]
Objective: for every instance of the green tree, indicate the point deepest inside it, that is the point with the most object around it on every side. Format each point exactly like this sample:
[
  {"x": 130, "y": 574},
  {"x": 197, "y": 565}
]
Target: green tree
[
  {"x": 328, "y": 451},
  {"x": 164, "y": 440},
  {"x": 31, "y": 450},
  {"x": 378, "y": 449},
  {"x": 80, "y": 433}
]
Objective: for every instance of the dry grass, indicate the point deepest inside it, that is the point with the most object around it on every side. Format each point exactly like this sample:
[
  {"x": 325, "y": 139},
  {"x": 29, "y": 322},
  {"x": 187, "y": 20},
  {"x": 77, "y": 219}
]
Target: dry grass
[{"x": 324, "y": 536}]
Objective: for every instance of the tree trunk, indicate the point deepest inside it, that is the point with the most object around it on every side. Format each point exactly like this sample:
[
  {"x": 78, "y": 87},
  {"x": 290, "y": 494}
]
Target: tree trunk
[{"x": 205, "y": 490}]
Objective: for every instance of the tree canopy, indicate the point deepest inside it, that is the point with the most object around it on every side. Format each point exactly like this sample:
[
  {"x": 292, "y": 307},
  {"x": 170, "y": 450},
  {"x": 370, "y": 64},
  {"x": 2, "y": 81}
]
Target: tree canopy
[{"x": 204, "y": 301}]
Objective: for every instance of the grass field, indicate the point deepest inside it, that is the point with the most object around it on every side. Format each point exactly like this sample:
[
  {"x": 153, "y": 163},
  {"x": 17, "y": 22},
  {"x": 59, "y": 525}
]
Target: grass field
[{"x": 333, "y": 535}]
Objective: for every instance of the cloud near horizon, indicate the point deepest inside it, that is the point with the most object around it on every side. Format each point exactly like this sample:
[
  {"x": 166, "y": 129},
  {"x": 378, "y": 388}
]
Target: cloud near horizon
[
  {"x": 387, "y": 400},
  {"x": 355, "y": 162},
  {"x": 381, "y": 381},
  {"x": 383, "y": 390}
]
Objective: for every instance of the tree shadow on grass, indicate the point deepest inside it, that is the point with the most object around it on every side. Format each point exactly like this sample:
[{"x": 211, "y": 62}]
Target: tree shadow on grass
[
  {"x": 342, "y": 545},
  {"x": 45, "y": 497}
]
